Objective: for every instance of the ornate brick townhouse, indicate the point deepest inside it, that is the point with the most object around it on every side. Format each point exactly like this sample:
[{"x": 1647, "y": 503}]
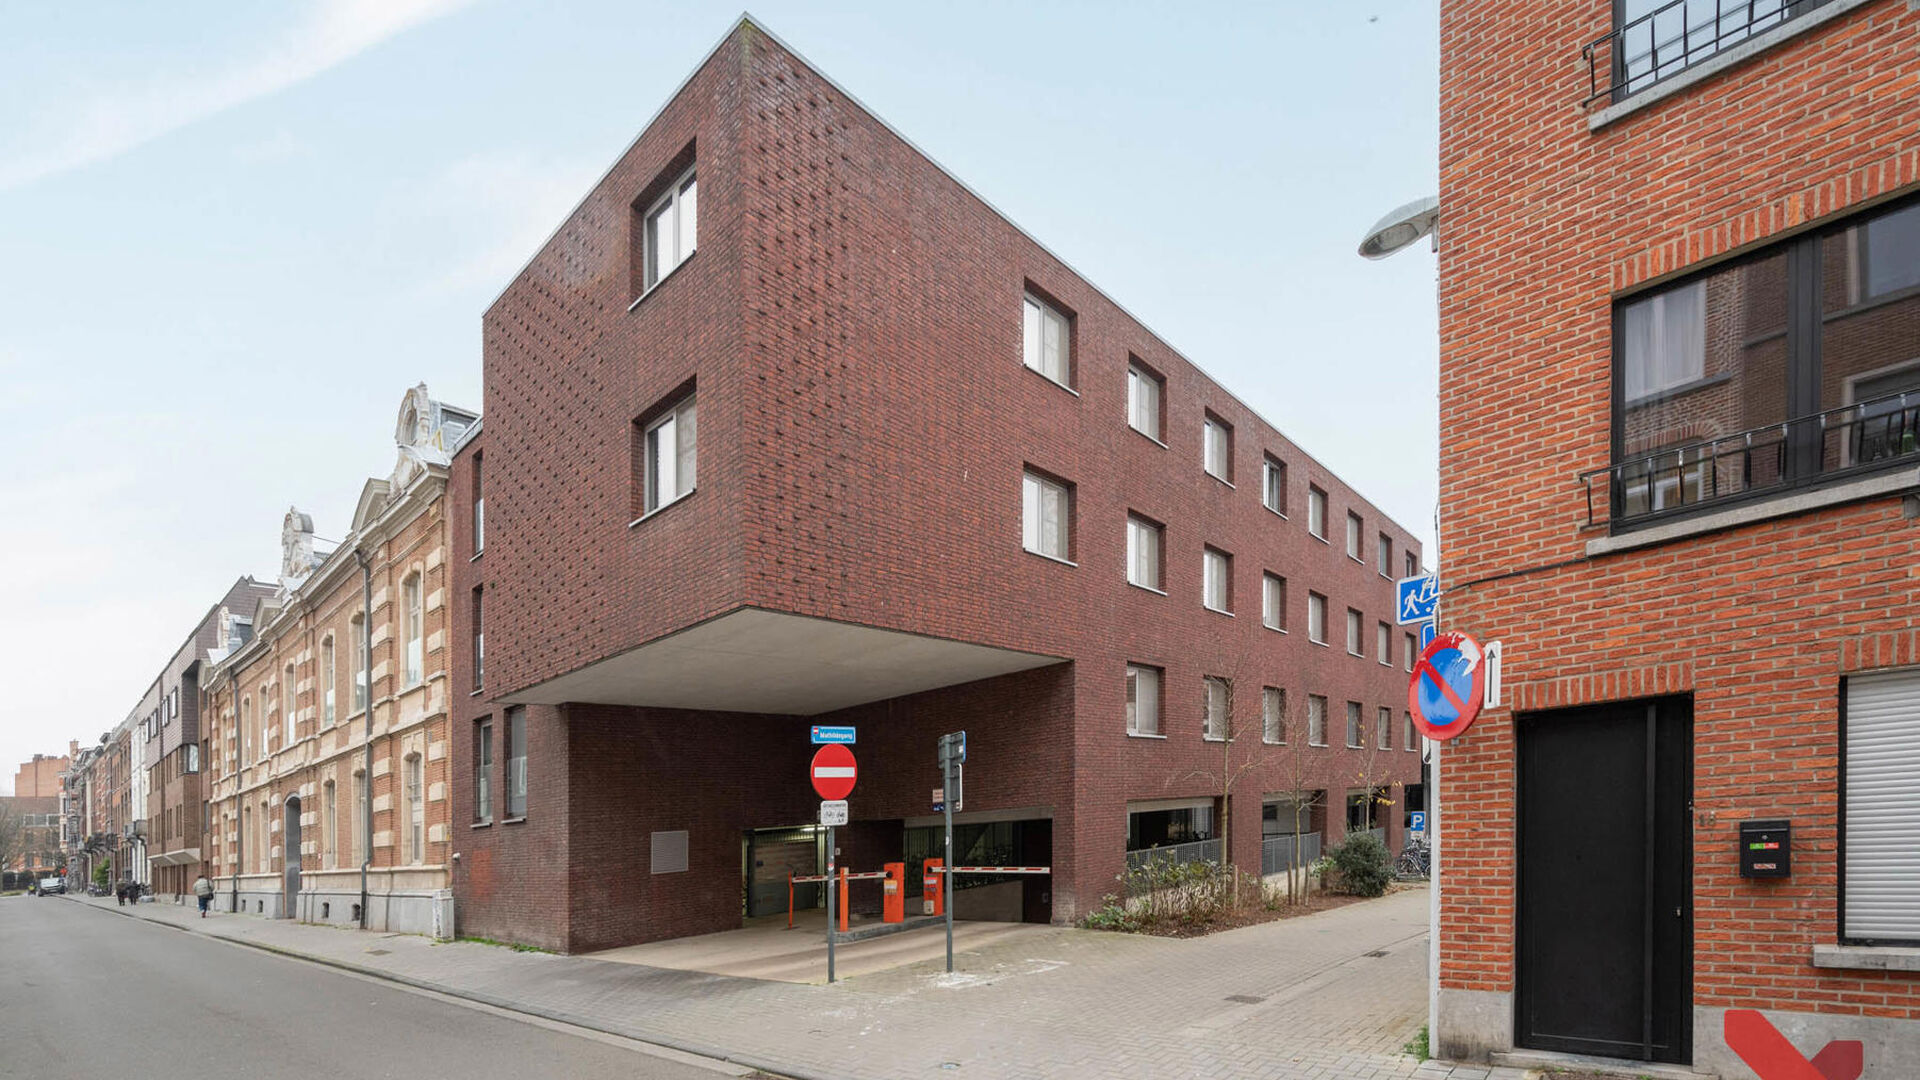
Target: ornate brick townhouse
[
  {"x": 326, "y": 751},
  {"x": 1680, "y": 405},
  {"x": 787, "y": 426}
]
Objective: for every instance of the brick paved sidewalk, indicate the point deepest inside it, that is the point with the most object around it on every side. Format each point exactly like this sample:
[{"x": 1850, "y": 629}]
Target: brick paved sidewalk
[{"x": 1330, "y": 996}]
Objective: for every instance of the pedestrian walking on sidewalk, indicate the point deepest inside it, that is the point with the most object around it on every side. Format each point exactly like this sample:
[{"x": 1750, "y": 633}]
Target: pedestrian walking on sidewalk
[{"x": 203, "y": 891}]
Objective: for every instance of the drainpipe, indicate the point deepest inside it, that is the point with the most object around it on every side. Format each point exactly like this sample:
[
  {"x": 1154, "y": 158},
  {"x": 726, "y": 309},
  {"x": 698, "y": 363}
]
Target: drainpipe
[{"x": 366, "y": 674}]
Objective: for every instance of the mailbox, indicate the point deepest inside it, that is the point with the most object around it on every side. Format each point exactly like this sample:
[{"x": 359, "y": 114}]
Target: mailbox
[{"x": 1766, "y": 849}]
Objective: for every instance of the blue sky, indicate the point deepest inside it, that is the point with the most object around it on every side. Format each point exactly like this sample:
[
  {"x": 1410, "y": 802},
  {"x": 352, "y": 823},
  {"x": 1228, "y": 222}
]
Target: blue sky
[{"x": 232, "y": 234}]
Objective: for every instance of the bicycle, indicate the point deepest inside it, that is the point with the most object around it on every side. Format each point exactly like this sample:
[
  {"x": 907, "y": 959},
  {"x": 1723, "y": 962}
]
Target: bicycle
[{"x": 1415, "y": 861}]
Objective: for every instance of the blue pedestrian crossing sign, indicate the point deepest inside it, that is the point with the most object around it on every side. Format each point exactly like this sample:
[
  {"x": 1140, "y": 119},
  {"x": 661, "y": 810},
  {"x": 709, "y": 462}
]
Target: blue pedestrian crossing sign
[
  {"x": 1415, "y": 599},
  {"x": 1448, "y": 687}
]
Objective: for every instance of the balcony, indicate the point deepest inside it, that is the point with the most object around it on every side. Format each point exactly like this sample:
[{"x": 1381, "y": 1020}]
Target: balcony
[
  {"x": 1676, "y": 36},
  {"x": 1822, "y": 450}
]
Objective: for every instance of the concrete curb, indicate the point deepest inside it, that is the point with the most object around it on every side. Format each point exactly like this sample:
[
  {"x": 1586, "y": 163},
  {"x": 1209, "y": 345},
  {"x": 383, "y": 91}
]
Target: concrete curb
[{"x": 557, "y": 1016}]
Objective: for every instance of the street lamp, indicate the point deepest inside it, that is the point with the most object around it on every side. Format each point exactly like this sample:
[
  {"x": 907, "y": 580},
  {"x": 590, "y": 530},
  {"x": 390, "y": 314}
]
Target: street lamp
[{"x": 1401, "y": 227}]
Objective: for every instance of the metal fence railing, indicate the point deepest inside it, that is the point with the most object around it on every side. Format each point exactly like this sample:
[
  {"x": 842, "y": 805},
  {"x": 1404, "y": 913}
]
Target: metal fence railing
[
  {"x": 1675, "y": 36},
  {"x": 1277, "y": 853},
  {"x": 1177, "y": 854}
]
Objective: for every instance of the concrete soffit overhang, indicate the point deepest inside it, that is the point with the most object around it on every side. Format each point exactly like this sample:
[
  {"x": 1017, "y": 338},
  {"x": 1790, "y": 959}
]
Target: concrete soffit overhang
[{"x": 753, "y": 660}]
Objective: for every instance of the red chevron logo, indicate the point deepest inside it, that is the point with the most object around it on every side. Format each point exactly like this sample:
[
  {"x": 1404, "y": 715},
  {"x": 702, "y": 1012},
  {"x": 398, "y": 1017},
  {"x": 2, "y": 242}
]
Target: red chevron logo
[{"x": 1768, "y": 1052}]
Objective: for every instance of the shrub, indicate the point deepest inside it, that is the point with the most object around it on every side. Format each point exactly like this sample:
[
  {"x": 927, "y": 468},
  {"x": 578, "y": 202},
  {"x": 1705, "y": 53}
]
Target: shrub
[
  {"x": 1112, "y": 914},
  {"x": 1361, "y": 865}
]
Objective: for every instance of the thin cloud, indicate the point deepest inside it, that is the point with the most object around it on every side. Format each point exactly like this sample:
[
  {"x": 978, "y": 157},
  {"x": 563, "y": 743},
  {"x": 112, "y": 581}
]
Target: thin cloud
[
  {"x": 333, "y": 33},
  {"x": 510, "y": 203}
]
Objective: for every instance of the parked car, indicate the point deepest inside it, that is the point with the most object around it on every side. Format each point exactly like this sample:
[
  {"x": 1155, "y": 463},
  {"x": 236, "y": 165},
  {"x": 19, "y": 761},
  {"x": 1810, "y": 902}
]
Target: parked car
[{"x": 52, "y": 885}]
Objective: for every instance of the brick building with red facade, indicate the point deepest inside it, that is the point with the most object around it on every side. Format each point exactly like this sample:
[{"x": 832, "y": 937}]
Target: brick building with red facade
[
  {"x": 1680, "y": 349},
  {"x": 786, "y": 426}
]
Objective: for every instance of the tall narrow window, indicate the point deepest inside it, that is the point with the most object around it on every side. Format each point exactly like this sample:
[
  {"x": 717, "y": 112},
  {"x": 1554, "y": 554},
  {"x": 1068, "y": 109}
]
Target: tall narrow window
[
  {"x": 1317, "y": 512},
  {"x": 1046, "y": 510},
  {"x": 1273, "y": 485},
  {"x": 1143, "y": 400},
  {"x": 1219, "y": 702},
  {"x": 1143, "y": 552},
  {"x": 479, "y": 504},
  {"x": 1412, "y": 647},
  {"x": 416, "y": 809},
  {"x": 359, "y": 817},
  {"x": 288, "y": 711},
  {"x": 1354, "y": 528},
  {"x": 479, "y": 639},
  {"x": 1316, "y": 720},
  {"x": 246, "y": 730},
  {"x": 672, "y": 228},
  {"x": 1046, "y": 341},
  {"x": 329, "y": 826},
  {"x": 1273, "y": 715},
  {"x": 1316, "y": 618},
  {"x": 1143, "y": 700},
  {"x": 329, "y": 678},
  {"x": 357, "y": 648},
  {"x": 1412, "y": 566},
  {"x": 1217, "y": 586},
  {"x": 1273, "y": 601},
  {"x": 517, "y": 761},
  {"x": 263, "y": 726},
  {"x": 246, "y": 837},
  {"x": 1356, "y": 735},
  {"x": 1383, "y": 729},
  {"x": 483, "y": 771},
  {"x": 1383, "y": 644},
  {"x": 415, "y": 616},
  {"x": 1412, "y": 736},
  {"x": 1384, "y": 554},
  {"x": 670, "y": 455},
  {"x": 1217, "y": 448},
  {"x": 1354, "y": 622}
]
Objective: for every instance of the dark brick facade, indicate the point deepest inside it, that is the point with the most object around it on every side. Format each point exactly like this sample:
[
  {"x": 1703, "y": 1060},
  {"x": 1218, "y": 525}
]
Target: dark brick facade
[{"x": 851, "y": 323}]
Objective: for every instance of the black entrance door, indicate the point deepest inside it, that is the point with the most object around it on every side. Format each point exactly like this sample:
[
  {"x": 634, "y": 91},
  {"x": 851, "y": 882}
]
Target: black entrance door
[{"x": 1603, "y": 959}]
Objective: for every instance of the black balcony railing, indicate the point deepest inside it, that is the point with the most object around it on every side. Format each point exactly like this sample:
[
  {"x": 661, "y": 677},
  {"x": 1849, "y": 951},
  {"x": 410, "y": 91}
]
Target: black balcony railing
[
  {"x": 1675, "y": 36},
  {"x": 1675, "y": 481}
]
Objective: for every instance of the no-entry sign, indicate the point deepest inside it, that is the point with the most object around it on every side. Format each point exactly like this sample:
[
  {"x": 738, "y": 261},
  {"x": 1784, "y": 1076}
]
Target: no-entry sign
[
  {"x": 833, "y": 771},
  {"x": 1448, "y": 687}
]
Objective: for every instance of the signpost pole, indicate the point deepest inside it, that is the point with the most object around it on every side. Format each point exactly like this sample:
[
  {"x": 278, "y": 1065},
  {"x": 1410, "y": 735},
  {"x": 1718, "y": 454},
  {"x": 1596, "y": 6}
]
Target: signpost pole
[
  {"x": 946, "y": 887},
  {"x": 830, "y": 891}
]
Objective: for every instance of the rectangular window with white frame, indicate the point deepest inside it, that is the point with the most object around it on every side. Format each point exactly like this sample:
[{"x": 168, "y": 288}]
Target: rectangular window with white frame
[
  {"x": 1316, "y": 720},
  {"x": 1316, "y": 512},
  {"x": 1273, "y": 601},
  {"x": 1383, "y": 729},
  {"x": 1316, "y": 618},
  {"x": 672, "y": 228},
  {"x": 1383, "y": 553},
  {"x": 1219, "y": 702},
  {"x": 1383, "y": 644},
  {"x": 1144, "y": 552},
  {"x": 357, "y": 648},
  {"x": 1217, "y": 577},
  {"x": 517, "y": 762},
  {"x": 329, "y": 676},
  {"x": 1356, "y": 726},
  {"x": 1046, "y": 516},
  {"x": 483, "y": 771},
  {"x": 1412, "y": 647},
  {"x": 1217, "y": 448},
  {"x": 1273, "y": 715},
  {"x": 1046, "y": 340},
  {"x": 1412, "y": 740},
  {"x": 1145, "y": 393},
  {"x": 669, "y": 454},
  {"x": 1880, "y": 809},
  {"x": 1273, "y": 484},
  {"x": 1143, "y": 700},
  {"x": 1355, "y": 529},
  {"x": 479, "y": 504},
  {"x": 1354, "y": 622},
  {"x": 416, "y": 636}
]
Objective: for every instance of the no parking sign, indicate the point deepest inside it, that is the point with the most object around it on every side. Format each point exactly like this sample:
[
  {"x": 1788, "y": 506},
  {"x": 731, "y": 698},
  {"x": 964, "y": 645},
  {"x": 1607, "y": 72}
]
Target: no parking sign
[{"x": 1448, "y": 687}]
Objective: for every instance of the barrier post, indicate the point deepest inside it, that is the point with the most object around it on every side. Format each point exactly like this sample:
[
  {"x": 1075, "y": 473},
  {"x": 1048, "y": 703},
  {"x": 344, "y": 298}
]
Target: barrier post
[
  {"x": 843, "y": 899},
  {"x": 893, "y": 897},
  {"x": 789, "y": 899}
]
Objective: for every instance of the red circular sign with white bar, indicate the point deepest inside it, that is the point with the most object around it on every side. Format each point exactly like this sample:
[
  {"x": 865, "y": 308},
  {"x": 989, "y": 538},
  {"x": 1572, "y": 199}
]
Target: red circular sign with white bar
[{"x": 833, "y": 771}]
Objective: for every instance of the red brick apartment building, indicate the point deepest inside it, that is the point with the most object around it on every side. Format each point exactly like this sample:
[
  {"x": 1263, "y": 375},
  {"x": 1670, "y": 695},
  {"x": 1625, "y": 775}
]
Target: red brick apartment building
[
  {"x": 786, "y": 426},
  {"x": 1680, "y": 401}
]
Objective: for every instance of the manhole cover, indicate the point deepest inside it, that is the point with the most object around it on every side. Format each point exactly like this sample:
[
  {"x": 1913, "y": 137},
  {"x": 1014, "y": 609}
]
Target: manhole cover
[
  {"x": 1245, "y": 999},
  {"x": 1376, "y": 952},
  {"x": 379, "y": 952}
]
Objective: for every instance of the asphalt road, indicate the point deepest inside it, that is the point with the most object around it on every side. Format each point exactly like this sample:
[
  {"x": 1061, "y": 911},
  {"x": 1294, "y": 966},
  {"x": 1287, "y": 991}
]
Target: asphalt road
[{"x": 90, "y": 994}]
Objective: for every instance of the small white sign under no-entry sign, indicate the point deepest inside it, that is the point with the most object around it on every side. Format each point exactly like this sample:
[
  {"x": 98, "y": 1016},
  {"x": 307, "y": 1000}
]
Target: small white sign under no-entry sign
[{"x": 833, "y": 812}]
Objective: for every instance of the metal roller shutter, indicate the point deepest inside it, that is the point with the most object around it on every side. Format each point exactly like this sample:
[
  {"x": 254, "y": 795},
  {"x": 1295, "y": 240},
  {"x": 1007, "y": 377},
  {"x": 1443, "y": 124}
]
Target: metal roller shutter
[{"x": 1882, "y": 841}]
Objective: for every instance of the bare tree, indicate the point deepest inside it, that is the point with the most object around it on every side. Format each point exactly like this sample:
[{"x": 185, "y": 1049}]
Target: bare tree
[
  {"x": 1295, "y": 746},
  {"x": 1220, "y": 717},
  {"x": 13, "y": 835}
]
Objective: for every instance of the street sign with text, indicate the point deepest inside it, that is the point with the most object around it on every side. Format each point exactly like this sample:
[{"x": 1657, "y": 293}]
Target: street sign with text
[
  {"x": 827, "y": 736},
  {"x": 833, "y": 812}
]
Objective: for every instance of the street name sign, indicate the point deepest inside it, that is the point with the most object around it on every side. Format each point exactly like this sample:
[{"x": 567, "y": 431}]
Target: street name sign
[
  {"x": 1448, "y": 687},
  {"x": 833, "y": 771},
  {"x": 830, "y": 736}
]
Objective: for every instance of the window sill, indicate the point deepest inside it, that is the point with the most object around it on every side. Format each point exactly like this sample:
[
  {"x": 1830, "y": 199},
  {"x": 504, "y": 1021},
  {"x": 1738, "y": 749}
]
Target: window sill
[
  {"x": 1281, "y": 514},
  {"x": 1888, "y": 483},
  {"x": 676, "y": 501},
  {"x": 1148, "y": 588},
  {"x": 1148, "y": 437},
  {"x": 1275, "y": 629},
  {"x": 1317, "y": 641},
  {"x": 476, "y": 692},
  {"x": 1218, "y": 611},
  {"x": 1212, "y": 738},
  {"x": 1223, "y": 480},
  {"x": 1351, "y": 557},
  {"x": 1707, "y": 69},
  {"x": 1866, "y": 957},
  {"x": 1322, "y": 744},
  {"x": 1051, "y": 379},
  {"x": 1143, "y": 735},
  {"x": 1273, "y": 742},
  {"x": 513, "y": 821},
  {"x": 1050, "y": 558},
  {"x": 1320, "y": 538},
  {"x": 476, "y": 555},
  {"x": 484, "y": 824},
  {"x": 664, "y": 278}
]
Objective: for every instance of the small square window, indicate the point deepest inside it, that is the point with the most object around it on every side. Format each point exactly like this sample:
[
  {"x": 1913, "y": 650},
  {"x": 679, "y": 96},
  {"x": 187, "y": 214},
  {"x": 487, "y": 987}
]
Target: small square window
[
  {"x": 1143, "y": 700},
  {"x": 1273, "y": 601},
  {"x": 1217, "y": 449},
  {"x": 1218, "y": 582},
  {"x": 1273, "y": 485},
  {"x": 1317, "y": 512},
  {"x": 1143, "y": 552},
  {"x": 1046, "y": 517},
  {"x": 1145, "y": 392},
  {"x": 1046, "y": 339}
]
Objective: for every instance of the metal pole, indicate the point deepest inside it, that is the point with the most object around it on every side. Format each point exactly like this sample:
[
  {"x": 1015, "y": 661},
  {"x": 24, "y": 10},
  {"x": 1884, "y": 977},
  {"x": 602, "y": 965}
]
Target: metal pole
[
  {"x": 366, "y": 675},
  {"x": 830, "y": 891},
  {"x": 946, "y": 884}
]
